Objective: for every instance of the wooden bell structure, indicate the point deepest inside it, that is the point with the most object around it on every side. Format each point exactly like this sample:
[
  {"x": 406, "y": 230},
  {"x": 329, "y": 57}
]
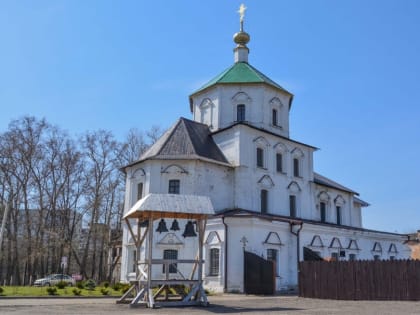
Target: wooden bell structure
[{"x": 149, "y": 289}]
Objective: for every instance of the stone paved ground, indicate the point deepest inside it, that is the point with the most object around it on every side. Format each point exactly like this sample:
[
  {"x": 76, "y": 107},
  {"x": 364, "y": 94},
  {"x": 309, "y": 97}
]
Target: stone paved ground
[{"x": 225, "y": 304}]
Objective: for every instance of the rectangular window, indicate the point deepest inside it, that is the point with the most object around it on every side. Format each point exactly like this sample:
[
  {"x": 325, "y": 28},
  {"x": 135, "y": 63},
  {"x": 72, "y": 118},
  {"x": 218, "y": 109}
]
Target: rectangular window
[
  {"x": 134, "y": 265},
  {"x": 391, "y": 257},
  {"x": 376, "y": 257},
  {"x": 352, "y": 257},
  {"x": 334, "y": 256},
  {"x": 274, "y": 117},
  {"x": 139, "y": 191},
  {"x": 272, "y": 255},
  {"x": 264, "y": 201},
  {"x": 214, "y": 261},
  {"x": 292, "y": 206},
  {"x": 338, "y": 213},
  {"x": 323, "y": 210},
  {"x": 296, "y": 172},
  {"x": 173, "y": 186},
  {"x": 240, "y": 112},
  {"x": 279, "y": 162},
  {"x": 260, "y": 157},
  {"x": 170, "y": 254}
]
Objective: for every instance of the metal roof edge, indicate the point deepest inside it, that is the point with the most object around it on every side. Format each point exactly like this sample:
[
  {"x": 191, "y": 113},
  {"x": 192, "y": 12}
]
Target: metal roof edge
[{"x": 263, "y": 130}]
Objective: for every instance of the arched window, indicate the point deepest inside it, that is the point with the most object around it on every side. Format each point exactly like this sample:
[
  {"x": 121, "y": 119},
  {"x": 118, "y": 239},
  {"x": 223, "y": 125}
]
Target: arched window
[
  {"x": 240, "y": 112},
  {"x": 294, "y": 193},
  {"x": 297, "y": 155},
  {"x": 276, "y": 111},
  {"x": 139, "y": 191},
  {"x": 206, "y": 110},
  {"x": 292, "y": 206},
  {"x": 323, "y": 210},
  {"x": 279, "y": 162},
  {"x": 324, "y": 206},
  {"x": 338, "y": 214},
  {"x": 264, "y": 201},
  {"x": 274, "y": 119},
  {"x": 260, "y": 157},
  {"x": 214, "y": 262},
  {"x": 280, "y": 150},
  {"x": 296, "y": 168}
]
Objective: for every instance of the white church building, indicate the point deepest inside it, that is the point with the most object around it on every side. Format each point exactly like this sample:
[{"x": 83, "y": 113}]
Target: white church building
[{"x": 267, "y": 197}]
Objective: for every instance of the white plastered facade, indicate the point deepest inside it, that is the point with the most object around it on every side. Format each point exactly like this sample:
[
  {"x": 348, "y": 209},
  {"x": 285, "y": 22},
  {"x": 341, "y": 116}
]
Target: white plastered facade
[{"x": 239, "y": 186}]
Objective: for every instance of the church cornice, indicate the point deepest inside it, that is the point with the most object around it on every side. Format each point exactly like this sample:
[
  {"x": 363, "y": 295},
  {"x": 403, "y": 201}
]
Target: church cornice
[
  {"x": 241, "y": 123},
  {"x": 244, "y": 213}
]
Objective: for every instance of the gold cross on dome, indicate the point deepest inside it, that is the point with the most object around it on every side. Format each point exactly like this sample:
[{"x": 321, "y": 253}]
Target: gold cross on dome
[{"x": 241, "y": 12}]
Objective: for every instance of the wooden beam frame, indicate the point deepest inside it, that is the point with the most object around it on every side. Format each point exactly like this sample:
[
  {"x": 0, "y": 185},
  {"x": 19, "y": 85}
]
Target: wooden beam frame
[{"x": 144, "y": 282}]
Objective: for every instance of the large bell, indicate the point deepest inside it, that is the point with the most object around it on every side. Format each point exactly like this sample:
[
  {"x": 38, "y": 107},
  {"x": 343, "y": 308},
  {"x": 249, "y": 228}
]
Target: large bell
[
  {"x": 175, "y": 226},
  {"x": 162, "y": 226},
  {"x": 189, "y": 230}
]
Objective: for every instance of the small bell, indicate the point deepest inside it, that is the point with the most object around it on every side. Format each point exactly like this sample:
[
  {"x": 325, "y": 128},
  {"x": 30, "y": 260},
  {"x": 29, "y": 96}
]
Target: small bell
[
  {"x": 144, "y": 223},
  {"x": 175, "y": 226},
  {"x": 162, "y": 226},
  {"x": 189, "y": 230}
]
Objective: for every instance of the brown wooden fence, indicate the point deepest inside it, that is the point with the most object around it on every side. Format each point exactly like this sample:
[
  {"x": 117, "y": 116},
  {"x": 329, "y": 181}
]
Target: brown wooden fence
[{"x": 360, "y": 280}]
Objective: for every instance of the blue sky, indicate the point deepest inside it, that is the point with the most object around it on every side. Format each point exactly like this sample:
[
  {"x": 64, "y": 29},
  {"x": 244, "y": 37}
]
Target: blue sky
[{"x": 353, "y": 67}]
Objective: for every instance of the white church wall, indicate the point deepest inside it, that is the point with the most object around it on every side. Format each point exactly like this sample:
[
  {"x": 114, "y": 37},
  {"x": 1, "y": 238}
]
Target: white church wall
[
  {"x": 196, "y": 178},
  {"x": 333, "y": 198},
  {"x": 206, "y": 108},
  {"x": 250, "y": 179},
  {"x": 323, "y": 239},
  {"x": 217, "y": 106},
  {"x": 256, "y": 231},
  {"x": 214, "y": 238},
  {"x": 229, "y": 143}
]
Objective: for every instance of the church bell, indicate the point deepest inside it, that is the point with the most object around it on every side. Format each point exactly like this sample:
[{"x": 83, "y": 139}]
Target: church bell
[
  {"x": 162, "y": 226},
  {"x": 189, "y": 230},
  {"x": 175, "y": 226}
]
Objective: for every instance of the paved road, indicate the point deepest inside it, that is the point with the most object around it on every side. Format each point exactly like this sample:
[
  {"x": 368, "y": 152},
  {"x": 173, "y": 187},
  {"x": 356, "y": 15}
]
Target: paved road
[{"x": 225, "y": 304}]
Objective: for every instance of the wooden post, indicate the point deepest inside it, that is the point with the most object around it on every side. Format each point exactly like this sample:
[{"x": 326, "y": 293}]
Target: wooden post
[{"x": 151, "y": 301}]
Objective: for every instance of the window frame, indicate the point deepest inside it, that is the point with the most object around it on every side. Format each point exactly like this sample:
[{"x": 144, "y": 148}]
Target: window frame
[
  {"x": 279, "y": 162},
  {"x": 134, "y": 260},
  {"x": 296, "y": 167},
  {"x": 174, "y": 186},
  {"x": 214, "y": 262},
  {"x": 139, "y": 190},
  {"x": 323, "y": 211},
  {"x": 264, "y": 201},
  {"x": 338, "y": 215},
  {"x": 292, "y": 206},
  {"x": 173, "y": 267},
  {"x": 240, "y": 112},
  {"x": 274, "y": 117},
  {"x": 260, "y": 157}
]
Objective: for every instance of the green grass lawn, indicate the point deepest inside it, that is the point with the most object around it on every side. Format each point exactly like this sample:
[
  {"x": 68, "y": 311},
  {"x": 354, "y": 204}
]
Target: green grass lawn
[{"x": 42, "y": 291}]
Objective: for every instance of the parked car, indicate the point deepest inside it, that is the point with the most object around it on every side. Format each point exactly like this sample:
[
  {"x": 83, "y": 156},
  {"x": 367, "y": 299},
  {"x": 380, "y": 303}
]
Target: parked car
[{"x": 54, "y": 279}]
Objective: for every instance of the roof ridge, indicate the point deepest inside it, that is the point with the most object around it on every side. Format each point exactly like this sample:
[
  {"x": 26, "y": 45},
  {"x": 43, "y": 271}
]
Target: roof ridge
[
  {"x": 168, "y": 137},
  {"x": 188, "y": 138}
]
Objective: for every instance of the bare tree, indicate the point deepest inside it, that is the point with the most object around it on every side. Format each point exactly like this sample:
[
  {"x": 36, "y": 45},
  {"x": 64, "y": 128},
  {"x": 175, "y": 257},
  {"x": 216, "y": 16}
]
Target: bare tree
[{"x": 51, "y": 181}]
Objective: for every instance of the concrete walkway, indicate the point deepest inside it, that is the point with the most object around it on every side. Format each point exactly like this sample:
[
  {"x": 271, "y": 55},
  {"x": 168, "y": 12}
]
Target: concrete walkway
[{"x": 224, "y": 304}]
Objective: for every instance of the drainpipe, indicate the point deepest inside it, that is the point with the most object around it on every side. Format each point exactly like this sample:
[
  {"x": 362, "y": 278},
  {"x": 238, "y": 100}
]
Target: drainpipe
[
  {"x": 296, "y": 233},
  {"x": 226, "y": 255}
]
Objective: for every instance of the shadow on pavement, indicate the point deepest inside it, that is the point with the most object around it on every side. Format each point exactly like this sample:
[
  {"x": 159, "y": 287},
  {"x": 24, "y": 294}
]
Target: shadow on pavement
[{"x": 223, "y": 309}]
